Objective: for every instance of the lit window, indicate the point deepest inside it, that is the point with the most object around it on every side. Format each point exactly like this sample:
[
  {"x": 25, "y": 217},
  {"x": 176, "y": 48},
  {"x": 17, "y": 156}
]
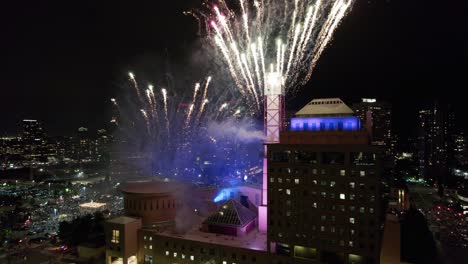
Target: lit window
[
  {"x": 150, "y": 246},
  {"x": 351, "y": 196},
  {"x": 352, "y": 185},
  {"x": 183, "y": 256},
  {"x": 314, "y": 182},
  {"x": 145, "y": 247},
  {"x": 352, "y": 232},
  {"x": 314, "y": 205},
  {"x": 342, "y": 196},
  {"x": 288, "y": 191},
  {"x": 175, "y": 254},
  {"x": 144, "y": 238},
  {"x": 296, "y": 181},
  {"x": 115, "y": 236},
  {"x": 192, "y": 257},
  {"x": 362, "y": 173},
  {"x": 272, "y": 179},
  {"x": 167, "y": 253},
  {"x": 362, "y": 210},
  {"x": 280, "y": 180},
  {"x": 324, "y": 194},
  {"x": 371, "y": 210},
  {"x": 351, "y": 220},
  {"x": 342, "y": 172},
  {"x": 224, "y": 262},
  {"x": 332, "y": 184},
  {"x": 322, "y": 228},
  {"x": 150, "y": 238},
  {"x": 351, "y": 244},
  {"x": 148, "y": 259}
]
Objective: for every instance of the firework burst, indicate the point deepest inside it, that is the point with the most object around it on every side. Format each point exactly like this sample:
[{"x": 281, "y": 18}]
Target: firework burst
[
  {"x": 289, "y": 36},
  {"x": 172, "y": 123}
]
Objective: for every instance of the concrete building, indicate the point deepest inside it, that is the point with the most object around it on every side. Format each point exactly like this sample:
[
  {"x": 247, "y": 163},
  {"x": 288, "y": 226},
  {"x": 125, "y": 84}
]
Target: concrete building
[
  {"x": 324, "y": 189},
  {"x": 323, "y": 206}
]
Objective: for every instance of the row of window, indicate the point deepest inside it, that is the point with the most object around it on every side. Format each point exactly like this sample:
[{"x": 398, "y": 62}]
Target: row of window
[
  {"x": 327, "y": 158},
  {"x": 325, "y": 195},
  {"x": 192, "y": 257},
  {"x": 342, "y": 243},
  {"x": 304, "y": 211},
  {"x": 351, "y": 185},
  {"x": 149, "y": 205},
  {"x": 203, "y": 251},
  {"x": 315, "y": 171}
]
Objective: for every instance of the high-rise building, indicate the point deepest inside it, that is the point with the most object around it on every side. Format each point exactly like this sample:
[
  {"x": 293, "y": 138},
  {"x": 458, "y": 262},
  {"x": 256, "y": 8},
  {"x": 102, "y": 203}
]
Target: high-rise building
[
  {"x": 324, "y": 188},
  {"x": 436, "y": 152},
  {"x": 34, "y": 140},
  {"x": 376, "y": 117},
  {"x": 32, "y": 131},
  {"x": 460, "y": 149},
  {"x": 323, "y": 204},
  {"x": 84, "y": 149}
]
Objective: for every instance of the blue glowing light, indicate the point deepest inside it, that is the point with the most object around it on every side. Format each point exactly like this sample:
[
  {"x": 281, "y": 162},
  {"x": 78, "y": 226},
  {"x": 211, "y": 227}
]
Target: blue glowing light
[
  {"x": 349, "y": 123},
  {"x": 224, "y": 194}
]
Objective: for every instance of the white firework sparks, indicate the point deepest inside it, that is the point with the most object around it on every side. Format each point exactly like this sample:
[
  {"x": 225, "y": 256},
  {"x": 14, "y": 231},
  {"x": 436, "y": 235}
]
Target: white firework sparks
[{"x": 291, "y": 35}]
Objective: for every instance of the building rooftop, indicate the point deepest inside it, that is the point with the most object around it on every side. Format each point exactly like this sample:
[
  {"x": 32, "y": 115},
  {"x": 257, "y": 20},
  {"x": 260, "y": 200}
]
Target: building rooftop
[
  {"x": 149, "y": 187},
  {"x": 253, "y": 240},
  {"x": 231, "y": 213},
  {"x": 123, "y": 220},
  {"x": 325, "y": 107}
]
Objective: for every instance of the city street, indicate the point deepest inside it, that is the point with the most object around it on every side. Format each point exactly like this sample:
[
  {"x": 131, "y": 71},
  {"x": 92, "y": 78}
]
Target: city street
[{"x": 448, "y": 227}]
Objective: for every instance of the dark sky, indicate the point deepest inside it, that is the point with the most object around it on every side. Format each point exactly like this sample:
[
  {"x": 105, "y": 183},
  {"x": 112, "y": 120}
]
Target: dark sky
[{"x": 61, "y": 61}]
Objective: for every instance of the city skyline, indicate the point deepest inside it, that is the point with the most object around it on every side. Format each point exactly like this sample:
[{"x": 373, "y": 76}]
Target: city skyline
[
  {"x": 234, "y": 131},
  {"x": 397, "y": 47}
]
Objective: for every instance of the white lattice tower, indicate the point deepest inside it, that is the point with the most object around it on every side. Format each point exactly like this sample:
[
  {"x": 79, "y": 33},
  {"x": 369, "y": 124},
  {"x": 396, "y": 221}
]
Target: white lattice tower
[{"x": 274, "y": 114}]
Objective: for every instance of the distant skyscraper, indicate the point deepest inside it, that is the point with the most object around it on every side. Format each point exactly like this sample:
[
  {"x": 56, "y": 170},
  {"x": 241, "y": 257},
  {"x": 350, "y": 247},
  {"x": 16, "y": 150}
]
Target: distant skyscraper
[
  {"x": 460, "y": 149},
  {"x": 34, "y": 139},
  {"x": 85, "y": 145},
  {"x": 436, "y": 151},
  {"x": 376, "y": 119},
  {"x": 33, "y": 132}
]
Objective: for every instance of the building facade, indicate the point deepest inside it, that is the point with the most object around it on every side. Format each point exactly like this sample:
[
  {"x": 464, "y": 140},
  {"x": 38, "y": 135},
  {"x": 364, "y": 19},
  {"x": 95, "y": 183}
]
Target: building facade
[
  {"x": 324, "y": 204},
  {"x": 377, "y": 119},
  {"x": 436, "y": 148}
]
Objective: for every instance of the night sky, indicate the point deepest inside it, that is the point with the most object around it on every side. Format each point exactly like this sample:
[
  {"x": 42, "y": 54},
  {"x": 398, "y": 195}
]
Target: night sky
[{"x": 61, "y": 61}]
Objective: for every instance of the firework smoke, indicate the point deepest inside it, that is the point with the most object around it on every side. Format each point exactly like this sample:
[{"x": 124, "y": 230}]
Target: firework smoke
[{"x": 178, "y": 126}]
